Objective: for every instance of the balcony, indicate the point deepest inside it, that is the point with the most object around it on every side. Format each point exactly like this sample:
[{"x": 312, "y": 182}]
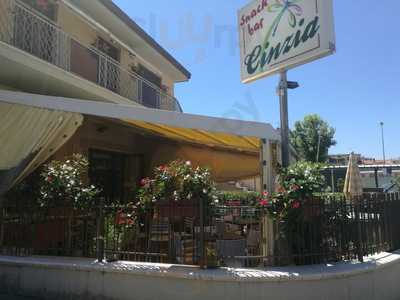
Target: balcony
[{"x": 21, "y": 27}]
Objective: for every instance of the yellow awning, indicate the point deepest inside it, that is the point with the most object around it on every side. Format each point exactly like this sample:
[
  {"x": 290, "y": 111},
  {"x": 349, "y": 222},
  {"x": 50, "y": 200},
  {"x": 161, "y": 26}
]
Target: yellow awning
[
  {"x": 201, "y": 137},
  {"x": 230, "y": 147}
]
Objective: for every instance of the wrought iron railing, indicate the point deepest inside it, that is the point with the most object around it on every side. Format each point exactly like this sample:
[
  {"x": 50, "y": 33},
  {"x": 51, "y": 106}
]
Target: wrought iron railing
[
  {"x": 327, "y": 229},
  {"x": 25, "y": 29}
]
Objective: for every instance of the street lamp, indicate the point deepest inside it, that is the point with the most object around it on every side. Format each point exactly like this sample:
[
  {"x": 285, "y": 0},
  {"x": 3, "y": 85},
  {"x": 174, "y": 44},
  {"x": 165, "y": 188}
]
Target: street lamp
[{"x": 383, "y": 144}]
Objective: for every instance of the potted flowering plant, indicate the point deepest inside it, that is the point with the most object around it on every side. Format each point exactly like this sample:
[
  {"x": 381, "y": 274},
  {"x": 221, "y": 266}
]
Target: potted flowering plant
[
  {"x": 65, "y": 183},
  {"x": 296, "y": 187},
  {"x": 177, "y": 181},
  {"x": 293, "y": 203}
]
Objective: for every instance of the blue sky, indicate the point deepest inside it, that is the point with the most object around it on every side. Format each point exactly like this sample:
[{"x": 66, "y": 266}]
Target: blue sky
[{"x": 353, "y": 90}]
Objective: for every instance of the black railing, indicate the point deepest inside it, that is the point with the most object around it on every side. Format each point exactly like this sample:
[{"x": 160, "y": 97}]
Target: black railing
[
  {"x": 330, "y": 229},
  {"x": 326, "y": 229}
]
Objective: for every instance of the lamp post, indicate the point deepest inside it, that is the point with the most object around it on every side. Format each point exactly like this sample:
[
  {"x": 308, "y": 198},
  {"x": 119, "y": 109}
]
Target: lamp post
[
  {"x": 283, "y": 87},
  {"x": 319, "y": 145},
  {"x": 383, "y": 144}
]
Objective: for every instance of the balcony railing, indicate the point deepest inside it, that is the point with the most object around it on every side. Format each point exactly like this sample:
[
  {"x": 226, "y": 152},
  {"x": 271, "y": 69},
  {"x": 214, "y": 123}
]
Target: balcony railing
[{"x": 23, "y": 28}]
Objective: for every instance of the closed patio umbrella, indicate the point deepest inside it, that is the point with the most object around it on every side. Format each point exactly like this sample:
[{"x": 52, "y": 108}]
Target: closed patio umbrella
[
  {"x": 353, "y": 185},
  {"x": 353, "y": 191}
]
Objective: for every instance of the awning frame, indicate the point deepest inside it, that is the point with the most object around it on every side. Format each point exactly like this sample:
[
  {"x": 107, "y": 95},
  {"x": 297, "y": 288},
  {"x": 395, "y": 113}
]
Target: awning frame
[
  {"x": 267, "y": 134},
  {"x": 121, "y": 111}
]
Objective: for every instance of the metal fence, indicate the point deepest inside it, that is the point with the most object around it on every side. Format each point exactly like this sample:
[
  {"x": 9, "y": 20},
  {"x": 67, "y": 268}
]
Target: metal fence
[
  {"x": 57, "y": 231},
  {"x": 326, "y": 229},
  {"x": 23, "y": 28},
  {"x": 333, "y": 228},
  {"x": 330, "y": 228},
  {"x": 170, "y": 233}
]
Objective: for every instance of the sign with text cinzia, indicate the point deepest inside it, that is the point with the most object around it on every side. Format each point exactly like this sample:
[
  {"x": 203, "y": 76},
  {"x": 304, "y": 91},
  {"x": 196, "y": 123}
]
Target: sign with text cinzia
[{"x": 277, "y": 35}]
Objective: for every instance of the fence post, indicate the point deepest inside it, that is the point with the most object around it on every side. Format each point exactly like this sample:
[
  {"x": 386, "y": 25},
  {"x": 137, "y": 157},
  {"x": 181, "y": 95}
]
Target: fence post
[
  {"x": 201, "y": 233},
  {"x": 1, "y": 224},
  {"x": 268, "y": 238},
  {"x": 357, "y": 211},
  {"x": 100, "y": 231}
]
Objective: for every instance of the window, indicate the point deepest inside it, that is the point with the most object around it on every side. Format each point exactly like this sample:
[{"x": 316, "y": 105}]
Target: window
[
  {"x": 109, "y": 73},
  {"x": 150, "y": 94},
  {"x": 117, "y": 174},
  {"x": 47, "y": 8},
  {"x": 107, "y": 172}
]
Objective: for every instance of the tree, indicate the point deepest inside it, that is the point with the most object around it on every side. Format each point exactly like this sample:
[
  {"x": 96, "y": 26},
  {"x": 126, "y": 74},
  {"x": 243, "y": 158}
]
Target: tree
[{"x": 312, "y": 138}]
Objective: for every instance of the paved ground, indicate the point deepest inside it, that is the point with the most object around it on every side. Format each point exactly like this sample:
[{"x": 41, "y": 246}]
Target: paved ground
[{"x": 5, "y": 297}]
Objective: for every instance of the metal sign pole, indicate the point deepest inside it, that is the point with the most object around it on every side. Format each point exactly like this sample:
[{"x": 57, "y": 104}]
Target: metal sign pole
[{"x": 283, "y": 98}]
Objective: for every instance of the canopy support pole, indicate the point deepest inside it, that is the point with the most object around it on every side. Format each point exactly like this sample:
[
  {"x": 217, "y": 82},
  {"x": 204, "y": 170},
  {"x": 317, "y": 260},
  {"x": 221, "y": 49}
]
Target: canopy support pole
[
  {"x": 267, "y": 170},
  {"x": 267, "y": 185}
]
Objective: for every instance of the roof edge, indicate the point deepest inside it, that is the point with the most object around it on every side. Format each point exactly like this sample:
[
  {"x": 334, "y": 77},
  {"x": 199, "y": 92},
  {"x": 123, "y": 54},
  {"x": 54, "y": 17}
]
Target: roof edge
[{"x": 111, "y": 6}]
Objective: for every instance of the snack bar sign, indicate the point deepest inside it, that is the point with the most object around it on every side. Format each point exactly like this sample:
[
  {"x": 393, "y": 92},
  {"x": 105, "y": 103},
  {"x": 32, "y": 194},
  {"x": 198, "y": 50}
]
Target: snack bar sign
[{"x": 277, "y": 35}]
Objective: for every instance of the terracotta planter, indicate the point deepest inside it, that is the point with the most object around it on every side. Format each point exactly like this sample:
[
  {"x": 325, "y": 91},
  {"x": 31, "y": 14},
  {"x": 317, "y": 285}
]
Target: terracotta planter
[{"x": 312, "y": 208}]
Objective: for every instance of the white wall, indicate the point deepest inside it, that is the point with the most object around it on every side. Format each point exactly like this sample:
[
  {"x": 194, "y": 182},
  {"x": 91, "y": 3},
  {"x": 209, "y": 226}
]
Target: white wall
[{"x": 82, "y": 279}]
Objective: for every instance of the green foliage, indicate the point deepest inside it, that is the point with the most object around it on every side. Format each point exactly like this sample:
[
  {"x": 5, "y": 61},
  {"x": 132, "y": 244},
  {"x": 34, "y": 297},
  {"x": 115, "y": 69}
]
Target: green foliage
[
  {"x": 310, "y": 132},
  {"x": 178, "y": 181},
  {"x": 65, "y": 183},
  {"x": 396, "y": 181},
  {"x": 245, "y": 198},
  {"x": 297, "y": 184}
]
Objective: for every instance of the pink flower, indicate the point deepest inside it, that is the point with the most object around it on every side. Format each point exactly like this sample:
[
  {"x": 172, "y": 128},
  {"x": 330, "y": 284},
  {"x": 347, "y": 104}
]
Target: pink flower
[
  {"x": 144, "y": 181},
  {"x": 265, "y": 194},
  {"x": 264, "y": 202},
  {"x": 120, "y": 218},
  {"x": 296, "y": 204}
]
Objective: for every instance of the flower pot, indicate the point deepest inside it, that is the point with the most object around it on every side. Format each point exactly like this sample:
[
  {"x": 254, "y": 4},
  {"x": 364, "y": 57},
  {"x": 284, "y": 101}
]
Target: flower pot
[{"x": 312, "y": 208}]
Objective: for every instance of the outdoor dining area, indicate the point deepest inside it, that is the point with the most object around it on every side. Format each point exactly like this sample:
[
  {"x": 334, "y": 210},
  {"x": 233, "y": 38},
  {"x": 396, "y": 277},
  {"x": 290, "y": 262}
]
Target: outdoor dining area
[
  {"x": 179, "y": 216},
  {"x": 129, "y": 183}
]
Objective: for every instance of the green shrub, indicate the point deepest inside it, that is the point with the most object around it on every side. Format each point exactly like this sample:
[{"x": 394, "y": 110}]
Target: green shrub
[
  {"x": 245, "y": 198},
  {"x": 296, "y": 184}
]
